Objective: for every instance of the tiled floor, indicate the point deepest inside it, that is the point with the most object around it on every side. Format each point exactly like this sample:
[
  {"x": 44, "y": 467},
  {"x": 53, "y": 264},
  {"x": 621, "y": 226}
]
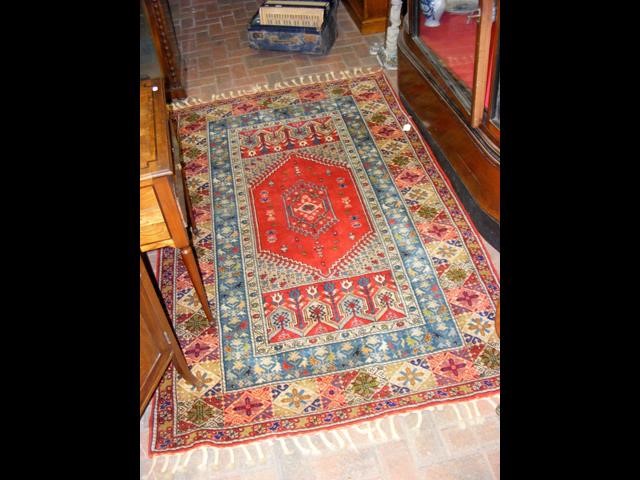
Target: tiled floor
[
  {"x": 451, "y": 443},
  {"x": 213, "y": 41},
  {"x": 430, "y": 445}
]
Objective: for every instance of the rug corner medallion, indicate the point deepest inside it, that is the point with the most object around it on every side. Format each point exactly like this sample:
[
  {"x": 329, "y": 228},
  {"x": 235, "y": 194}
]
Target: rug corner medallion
[{"x": 346, "y": 280}]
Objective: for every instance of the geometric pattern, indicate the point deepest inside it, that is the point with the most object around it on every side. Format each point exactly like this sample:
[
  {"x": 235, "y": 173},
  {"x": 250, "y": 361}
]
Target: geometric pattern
[
  {"x": 345, "y": 278},
  {"x": 308, "y": 209}
]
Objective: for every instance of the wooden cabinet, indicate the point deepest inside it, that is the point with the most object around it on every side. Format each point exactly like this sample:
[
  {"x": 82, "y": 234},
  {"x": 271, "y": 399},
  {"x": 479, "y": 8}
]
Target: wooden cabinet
[
  {"x": 158, "y": 343},
  {"x": 449, "y": 80},
  {"x": 165, "y": 213},
  {"x": 370, "y": 16}
]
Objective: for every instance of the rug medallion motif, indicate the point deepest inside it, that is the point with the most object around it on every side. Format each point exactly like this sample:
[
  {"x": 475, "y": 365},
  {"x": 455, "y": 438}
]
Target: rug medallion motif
[{"x": 346, "y": 280}]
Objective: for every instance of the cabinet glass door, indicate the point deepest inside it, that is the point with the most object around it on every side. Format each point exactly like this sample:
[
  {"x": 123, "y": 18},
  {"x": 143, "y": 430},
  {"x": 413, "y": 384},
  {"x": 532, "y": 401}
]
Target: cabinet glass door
[
  {"x": 449, "y": 30},
  {"x": 149, "y": 63},
  {"x": 456, "y": 36}
]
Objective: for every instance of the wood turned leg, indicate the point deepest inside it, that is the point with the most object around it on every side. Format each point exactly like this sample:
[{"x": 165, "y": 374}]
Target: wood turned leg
[
  {"x": 181, "y": 366},
  {"x": 189, "y": 260}
]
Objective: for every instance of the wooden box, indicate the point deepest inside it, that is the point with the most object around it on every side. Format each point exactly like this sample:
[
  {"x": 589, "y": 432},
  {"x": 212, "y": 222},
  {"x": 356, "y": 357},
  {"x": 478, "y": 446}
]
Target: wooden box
[{"x": 295, "y": 39}]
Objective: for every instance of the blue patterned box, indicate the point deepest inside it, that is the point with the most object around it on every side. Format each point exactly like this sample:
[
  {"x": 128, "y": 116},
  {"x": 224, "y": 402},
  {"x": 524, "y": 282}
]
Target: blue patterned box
[{"x": 295, "y": 39}]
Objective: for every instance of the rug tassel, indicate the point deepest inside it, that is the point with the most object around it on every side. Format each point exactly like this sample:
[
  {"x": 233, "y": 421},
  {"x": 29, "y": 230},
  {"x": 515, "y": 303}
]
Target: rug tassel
[
  {"x": 248, "y": 455},
  {"x": 476, "y": 410},
  {"x": 302, "y": 80},
  {"x": 325, "y": 440},
  {"x": 471, "y": 419},
  {"x": 494, "y": 405},
  {"x": 205, "y": 457},
  {"x": 186, "y": 460},
  {"x": 314, "y": 449},
  {"x": 176, "y": 465},
  {"x": 350, "y": 441},
  {"x": 461, "y": 422},
  {"x": 417, "y": 426},
  {"x": 153, "y": 465},
  {"x": 166, "y": 464},
  {"x": 383, "y": 434},
  {"x": 232, "y": 458},
  {"x": 394, "y": 432},
  {"x": 368, "y": 431},
  {"x": 339, "y": 439},
  {"x": 261, "y": 458},
  {"x": 284, "y": 446},
  {"x": 216, "y": 457},
  {"x": 301, "y": 449}
]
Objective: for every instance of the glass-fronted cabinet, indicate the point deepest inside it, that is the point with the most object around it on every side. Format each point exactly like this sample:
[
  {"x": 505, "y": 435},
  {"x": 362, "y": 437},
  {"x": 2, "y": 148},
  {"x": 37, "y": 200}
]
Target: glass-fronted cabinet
[
  {"x": 149, "y": 62},
  {"x": 449, "y": 79},
  {"x": 159, "y": 53}
]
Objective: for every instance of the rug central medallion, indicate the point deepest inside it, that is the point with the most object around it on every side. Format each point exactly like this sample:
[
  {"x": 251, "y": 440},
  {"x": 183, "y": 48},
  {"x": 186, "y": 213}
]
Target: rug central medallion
[
  {"x": 309, "y": 217},
  {"x": 308, "y": 211}
]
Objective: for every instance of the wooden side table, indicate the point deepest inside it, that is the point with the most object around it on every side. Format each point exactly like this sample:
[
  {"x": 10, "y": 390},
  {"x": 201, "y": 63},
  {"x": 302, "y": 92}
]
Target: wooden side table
[
  {"x": 158, "y": 343},
  {"x": 165, "y": 211}
]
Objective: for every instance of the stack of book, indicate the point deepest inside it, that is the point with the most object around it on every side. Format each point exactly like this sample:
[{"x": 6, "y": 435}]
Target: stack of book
[{"x": 294, "y": 13}]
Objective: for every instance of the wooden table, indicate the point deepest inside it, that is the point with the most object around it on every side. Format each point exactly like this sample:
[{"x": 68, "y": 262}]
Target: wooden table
[
  {"x": 165, "y": 210},
  {"x": 158, "y": 343}
]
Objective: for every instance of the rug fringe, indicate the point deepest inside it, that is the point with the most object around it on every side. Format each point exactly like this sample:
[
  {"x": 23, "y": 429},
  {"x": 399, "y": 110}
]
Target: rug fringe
[
  {"x": 313, "y": 79},
  {"x": 373, "y": 432}
]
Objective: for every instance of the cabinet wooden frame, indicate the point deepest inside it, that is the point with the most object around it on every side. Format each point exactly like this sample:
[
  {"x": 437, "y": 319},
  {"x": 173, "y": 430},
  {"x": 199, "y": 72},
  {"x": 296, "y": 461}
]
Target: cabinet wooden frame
[
  {"x": 443, "y": 109},
  {"x": 470, "y": 106},
  {"x": 166, "y": 46}
]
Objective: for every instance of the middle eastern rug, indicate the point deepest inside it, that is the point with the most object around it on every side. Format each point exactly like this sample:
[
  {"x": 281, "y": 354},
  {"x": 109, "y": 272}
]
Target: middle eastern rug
[{"x": 346, "y": 280}]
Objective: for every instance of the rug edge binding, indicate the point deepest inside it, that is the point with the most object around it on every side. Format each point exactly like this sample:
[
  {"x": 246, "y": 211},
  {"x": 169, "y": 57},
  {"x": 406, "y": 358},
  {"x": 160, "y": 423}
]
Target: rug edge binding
[
  {"x": 302, "y": 80},
  {"x": 371, "y": 427}
]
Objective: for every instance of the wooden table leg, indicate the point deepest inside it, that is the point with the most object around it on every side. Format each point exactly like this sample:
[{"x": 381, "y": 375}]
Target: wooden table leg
[
  {"x": 189, "y": 260},
  {"x": 181, "y": 366}
]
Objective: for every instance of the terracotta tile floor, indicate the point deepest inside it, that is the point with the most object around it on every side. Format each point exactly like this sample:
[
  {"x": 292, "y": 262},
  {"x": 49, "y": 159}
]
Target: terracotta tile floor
[
  {"x": 433, "y": 447},
  {"x": 212, "y": 39}
]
